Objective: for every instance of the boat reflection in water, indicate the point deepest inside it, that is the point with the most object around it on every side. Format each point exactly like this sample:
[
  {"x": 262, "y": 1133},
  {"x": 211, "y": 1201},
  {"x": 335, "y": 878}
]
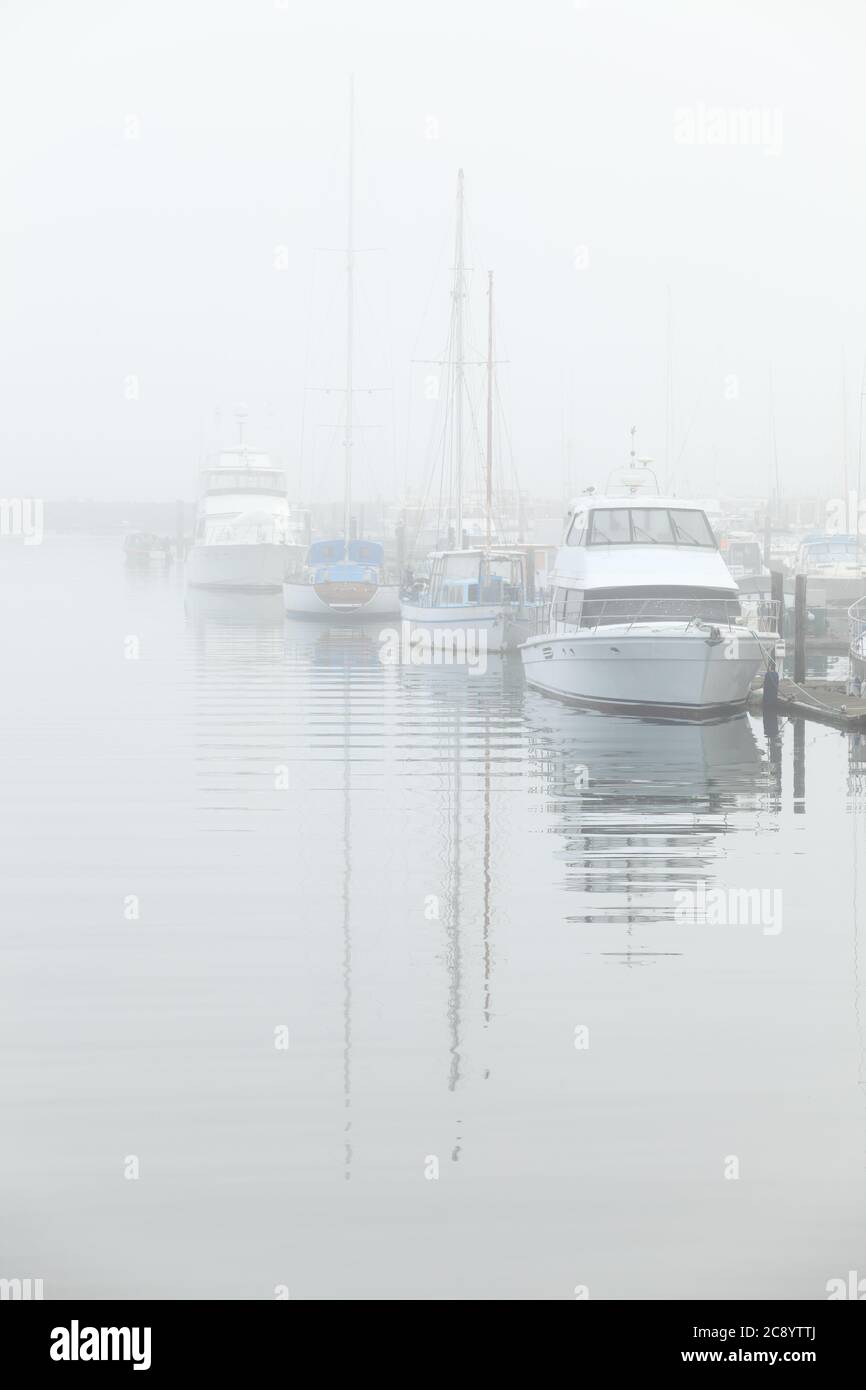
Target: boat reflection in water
[
  {"x": 643, "y": 807},
  {"x": 223, "y": 610}
]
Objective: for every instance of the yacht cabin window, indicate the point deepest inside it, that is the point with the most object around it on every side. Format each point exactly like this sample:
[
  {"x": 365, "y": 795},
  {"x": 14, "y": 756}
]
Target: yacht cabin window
[
  {"x": 245, "y": 480},
  {"x": 684, "y": 526},
  {"x": 474, "y": 577},
  {"x": 610, "y": 526},
  {"x": 652, "y": 524},
  {"x": 692, "y": 528},
  {"x": 567, "y": 605},
  {"x": 459, "y": 566},
  {"x": 577, "y": 530}
]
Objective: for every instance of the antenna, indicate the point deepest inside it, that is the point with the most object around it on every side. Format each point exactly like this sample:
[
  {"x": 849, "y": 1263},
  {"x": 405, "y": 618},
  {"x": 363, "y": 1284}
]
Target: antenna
[{"x": 630, "y": 479}]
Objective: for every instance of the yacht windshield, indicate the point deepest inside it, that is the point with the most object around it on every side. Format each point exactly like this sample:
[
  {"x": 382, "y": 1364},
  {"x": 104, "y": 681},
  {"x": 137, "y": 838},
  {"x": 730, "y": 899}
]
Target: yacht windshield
[
  {"x": 692, "y": 528},
  {"x": 611, "y": 526},
  {"x": 465, "y": 566},
  {"x": 650, "y": 526}
]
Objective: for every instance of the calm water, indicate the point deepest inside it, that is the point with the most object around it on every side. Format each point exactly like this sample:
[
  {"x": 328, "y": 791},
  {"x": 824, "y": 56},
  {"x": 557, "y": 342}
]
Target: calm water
[{"x": 459, "y": 875}]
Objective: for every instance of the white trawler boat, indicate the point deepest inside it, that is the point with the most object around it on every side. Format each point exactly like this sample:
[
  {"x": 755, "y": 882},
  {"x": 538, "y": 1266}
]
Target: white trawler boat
[
  {"x": 486, "y": 590},
  {"x": 242, "y": 536},
  {"x": 346, "y": 576},
  {"x": 644, "y": 615}
]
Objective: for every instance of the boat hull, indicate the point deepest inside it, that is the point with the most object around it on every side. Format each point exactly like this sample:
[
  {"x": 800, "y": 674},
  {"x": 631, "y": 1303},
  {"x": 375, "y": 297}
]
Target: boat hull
[
  {"x": 834, "y": 590},
  {"x": 336, "y": 598},
  {"x": 491, "y": 626},
  {"x": 666, "y": 668},
  {"x": 257, "y": 568}
]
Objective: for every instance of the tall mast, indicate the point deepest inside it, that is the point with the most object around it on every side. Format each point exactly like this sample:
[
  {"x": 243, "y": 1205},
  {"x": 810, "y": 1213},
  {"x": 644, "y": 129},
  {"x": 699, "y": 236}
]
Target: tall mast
[
  {"x": 845, "y": 492},
  {"x": 489, "y": 407},
  {"x": 457, "y": 293},
  {"x": 350, "y": 326},
  {"x": 858, "y": 494},
  {"x": 669, "y": 395},
  {"x": 774, "y": 454}
]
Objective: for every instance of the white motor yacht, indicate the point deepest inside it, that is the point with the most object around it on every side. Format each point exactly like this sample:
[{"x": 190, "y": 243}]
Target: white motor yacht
[
  {"x": 644, "y": 614},
  {"x": 242, "y": 536}
]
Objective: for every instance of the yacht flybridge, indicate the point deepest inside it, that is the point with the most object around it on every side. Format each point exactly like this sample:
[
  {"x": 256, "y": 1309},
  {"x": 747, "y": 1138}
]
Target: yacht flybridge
[{"x": 645, "y": 615}]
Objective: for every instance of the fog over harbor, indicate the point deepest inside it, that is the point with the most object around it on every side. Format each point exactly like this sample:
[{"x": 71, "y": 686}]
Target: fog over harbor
[{"x": 177, "y": 177}]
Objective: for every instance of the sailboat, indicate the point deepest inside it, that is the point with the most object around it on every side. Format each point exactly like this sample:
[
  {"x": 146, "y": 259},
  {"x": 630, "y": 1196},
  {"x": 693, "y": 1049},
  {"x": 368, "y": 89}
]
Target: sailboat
[
  {"x": 485, "y": 590},
  {"x": 346, "y": 576}
]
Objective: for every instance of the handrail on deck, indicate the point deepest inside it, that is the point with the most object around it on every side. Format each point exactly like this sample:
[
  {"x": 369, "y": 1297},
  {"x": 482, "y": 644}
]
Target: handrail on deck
[
  {"x": 857, "y": 629},
  {"x": 762, "y": 615}
]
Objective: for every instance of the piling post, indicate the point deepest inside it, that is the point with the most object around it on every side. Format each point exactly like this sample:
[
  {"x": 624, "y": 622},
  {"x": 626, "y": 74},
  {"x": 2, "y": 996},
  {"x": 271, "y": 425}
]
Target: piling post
[
  {"x": 800, "y": 617},
  {"x": 530, "y": 575},
  {"x": 799, "y": 767},
  {"x": 777, "y": 594}
]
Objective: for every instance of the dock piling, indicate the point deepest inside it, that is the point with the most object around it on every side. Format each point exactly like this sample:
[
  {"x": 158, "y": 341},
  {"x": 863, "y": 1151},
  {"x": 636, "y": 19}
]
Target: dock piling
[
  {"x": 777, "y": 594},
  {"x": 800, "y": 621}
]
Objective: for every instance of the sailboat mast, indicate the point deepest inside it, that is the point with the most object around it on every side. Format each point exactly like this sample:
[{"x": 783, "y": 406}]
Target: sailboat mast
[
  {"x": 350, "y": 325},
  {"x": 774, "y": 454},
  {"x": 458, "y": 361},
  {"x": 669, "y": 395},
  {"x": 845, "y": 492},
  {"x": 489, "y": 408}
]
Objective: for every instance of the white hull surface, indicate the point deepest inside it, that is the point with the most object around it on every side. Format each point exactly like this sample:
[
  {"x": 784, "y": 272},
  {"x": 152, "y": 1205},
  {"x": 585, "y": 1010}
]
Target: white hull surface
[
  {"x": 492, "y": 627},
  {"x": 305, "y": 600},
  {"x": 257, "y": 567},
  {"x": 667, "y": 667},
  {"x": 836, "y": 589}
]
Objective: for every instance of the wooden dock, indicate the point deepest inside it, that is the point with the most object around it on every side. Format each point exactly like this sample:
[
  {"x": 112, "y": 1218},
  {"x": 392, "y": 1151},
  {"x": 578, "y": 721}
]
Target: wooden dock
[{"x": 825, "y": 701}]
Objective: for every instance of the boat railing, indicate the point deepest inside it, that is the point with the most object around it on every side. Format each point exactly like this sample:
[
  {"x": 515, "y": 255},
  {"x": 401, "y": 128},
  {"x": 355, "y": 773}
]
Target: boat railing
[
  {"x": 761, "y": 615},
  {"x": 857, "y": 630}
]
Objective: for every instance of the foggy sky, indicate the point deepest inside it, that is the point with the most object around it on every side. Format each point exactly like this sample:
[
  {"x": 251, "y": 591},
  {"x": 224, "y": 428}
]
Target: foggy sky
[{"x": 156, "y": 155}]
